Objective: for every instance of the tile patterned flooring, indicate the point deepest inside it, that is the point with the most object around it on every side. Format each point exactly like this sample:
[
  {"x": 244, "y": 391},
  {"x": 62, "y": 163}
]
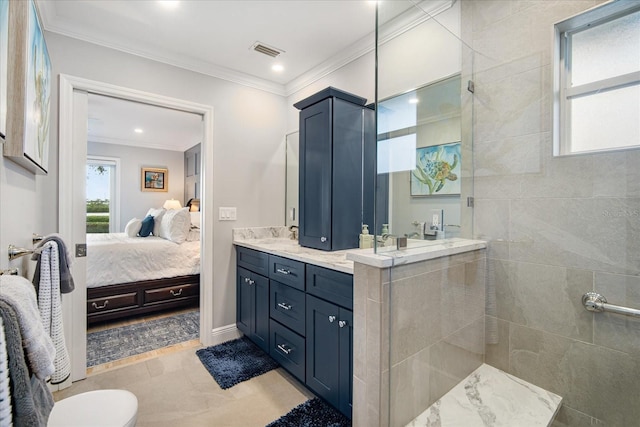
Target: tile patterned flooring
[{"x": 175, "y": 389}]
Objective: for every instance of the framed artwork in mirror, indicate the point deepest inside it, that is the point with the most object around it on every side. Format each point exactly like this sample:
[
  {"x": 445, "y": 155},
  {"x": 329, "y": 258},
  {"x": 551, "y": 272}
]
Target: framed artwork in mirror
[
  {"x": 437, "y": 170},
  {"x": 28, "y": 89},
  {"x": 154, "y": 179}
]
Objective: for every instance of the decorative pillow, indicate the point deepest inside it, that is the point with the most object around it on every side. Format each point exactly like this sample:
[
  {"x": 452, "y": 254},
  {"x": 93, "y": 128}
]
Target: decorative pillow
[
  {"x": 175, "y": 225},
  {"x": 133, "y": 227},
  {"x": 157, "y": 217},
  {"x": 147, "y": 226}
]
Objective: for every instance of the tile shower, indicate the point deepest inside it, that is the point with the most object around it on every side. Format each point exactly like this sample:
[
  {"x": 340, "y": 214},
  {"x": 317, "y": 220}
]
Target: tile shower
[{"x": 556, "y": 227}]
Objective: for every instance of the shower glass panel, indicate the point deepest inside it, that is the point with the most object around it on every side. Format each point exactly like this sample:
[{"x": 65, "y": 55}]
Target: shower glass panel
[{"x": 425, "y": 159}]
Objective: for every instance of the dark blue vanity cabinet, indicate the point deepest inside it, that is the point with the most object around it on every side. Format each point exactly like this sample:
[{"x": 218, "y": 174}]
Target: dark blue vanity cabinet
[
  {"x": 330, "y": 336},
  {"x": 252, "y": 296},
  {"x": 308, "y": 323},
  {"x": 336, "y": 128}
]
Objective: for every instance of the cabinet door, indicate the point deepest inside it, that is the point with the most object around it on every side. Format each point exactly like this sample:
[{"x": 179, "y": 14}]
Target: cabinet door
[
  {"x": 345, "y": 323},
  {"x": 244, "y": 301},
  {"x": 252, "y": 307},
  {"x": 323, "y": 345},
  {"x": 315, "y": 175},
  {"x": 260, "y": 332}
]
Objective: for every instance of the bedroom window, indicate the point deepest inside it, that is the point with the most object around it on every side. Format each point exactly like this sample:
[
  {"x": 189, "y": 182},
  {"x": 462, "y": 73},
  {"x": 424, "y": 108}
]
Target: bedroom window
[
  {"x": 103, "y": 195},
  {"x": 597, "y": 80}
]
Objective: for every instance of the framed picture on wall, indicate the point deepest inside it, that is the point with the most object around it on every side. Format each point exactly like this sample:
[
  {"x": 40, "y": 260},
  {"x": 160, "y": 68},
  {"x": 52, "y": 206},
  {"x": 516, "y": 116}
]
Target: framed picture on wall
[
  {"x": 154, "y": 179},
  {"x": 437, "y": 170},
  {"x": 28, "y": 89}
]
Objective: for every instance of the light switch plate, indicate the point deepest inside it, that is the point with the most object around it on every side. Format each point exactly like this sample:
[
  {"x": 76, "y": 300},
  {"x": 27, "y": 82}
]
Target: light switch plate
[{"x": 227, "y": 214}]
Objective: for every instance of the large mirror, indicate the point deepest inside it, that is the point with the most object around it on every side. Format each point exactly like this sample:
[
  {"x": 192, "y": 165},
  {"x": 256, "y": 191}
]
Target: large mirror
[
  {"x": 292, "y": 153},
  {"x": 423, "y": 124}
]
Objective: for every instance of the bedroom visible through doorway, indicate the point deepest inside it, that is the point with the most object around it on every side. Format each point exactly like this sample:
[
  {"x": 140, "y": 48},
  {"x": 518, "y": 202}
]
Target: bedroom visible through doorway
[{"x": 142, "y": 288}]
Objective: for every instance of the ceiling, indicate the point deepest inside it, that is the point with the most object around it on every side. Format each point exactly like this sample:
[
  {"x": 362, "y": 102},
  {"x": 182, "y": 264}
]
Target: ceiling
[{"x": 216, "y": 38}]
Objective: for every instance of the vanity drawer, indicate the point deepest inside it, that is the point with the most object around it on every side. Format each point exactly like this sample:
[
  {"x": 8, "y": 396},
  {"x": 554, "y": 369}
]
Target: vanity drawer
[
  {"x": 112, "y": 302},
  {"x": 331, "y": 285},
  {"x": 287, "y": 271},
  {"x": 287, "y": 306},
  {"x": 177, "y": 292},
  {"x": 288, "y": 349},
  {"x": 256, "y": 261}
]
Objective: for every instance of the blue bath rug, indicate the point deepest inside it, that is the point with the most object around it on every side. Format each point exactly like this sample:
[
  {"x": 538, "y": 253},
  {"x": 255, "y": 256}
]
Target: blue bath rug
[
  {"x": 233, "y": 362},
  {"x": 124, "y": 341},
  {"x": 312, "y": 413}
]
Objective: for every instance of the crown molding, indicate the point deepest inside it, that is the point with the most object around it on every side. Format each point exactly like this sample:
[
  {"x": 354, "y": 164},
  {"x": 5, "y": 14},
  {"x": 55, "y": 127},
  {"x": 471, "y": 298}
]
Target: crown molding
[
  {"x": 422, "y": 12},
  {"x": 140, "y": 144},
  {"x": 413, "y": 17}
]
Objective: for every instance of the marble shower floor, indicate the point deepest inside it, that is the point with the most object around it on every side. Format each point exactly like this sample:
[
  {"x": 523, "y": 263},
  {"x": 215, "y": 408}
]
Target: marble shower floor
[{"x": 175, "y": 389}]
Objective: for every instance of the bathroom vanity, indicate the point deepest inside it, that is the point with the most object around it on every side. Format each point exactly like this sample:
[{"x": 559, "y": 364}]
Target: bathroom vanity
[{"x": 296, "y": 304}]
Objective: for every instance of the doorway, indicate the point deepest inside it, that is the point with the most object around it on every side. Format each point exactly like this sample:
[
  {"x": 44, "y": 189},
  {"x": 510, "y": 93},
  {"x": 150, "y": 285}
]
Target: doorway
[{"x": 72, "y": 163}]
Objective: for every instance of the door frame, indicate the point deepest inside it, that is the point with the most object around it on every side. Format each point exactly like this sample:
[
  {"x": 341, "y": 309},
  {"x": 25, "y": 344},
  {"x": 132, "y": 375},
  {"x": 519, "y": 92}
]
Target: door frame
[{"x": 75, "y": 314}]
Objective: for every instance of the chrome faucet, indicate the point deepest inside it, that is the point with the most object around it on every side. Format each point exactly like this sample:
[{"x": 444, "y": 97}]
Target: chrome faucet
[{"x": 294, "y": 232}]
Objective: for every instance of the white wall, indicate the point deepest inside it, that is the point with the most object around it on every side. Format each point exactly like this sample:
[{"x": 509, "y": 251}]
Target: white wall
[
  {"x": 134, "y": 203},
  {"x": 249, "y": 129}
]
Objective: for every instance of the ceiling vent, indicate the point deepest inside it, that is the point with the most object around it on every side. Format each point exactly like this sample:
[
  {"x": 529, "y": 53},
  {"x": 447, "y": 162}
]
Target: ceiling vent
[{"x": 267, "y": 50}]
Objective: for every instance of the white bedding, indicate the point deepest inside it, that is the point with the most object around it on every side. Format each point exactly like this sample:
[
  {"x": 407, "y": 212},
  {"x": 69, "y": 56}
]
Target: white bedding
[{"x": 115, "y": 258}]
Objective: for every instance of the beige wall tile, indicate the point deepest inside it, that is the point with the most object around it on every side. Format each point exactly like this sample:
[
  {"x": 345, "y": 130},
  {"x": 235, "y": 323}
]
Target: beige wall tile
[
  {"x": 591, "y": 379},
  {"x": 497, "y": 355},
  {"x": 614, "y": 330}
]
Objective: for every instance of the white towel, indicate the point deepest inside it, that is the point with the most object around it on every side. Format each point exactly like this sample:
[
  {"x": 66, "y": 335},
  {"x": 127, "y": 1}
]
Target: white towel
[
  {"x": 19, "y": 293},
  {"x": 5, "y": 391},
  {"x": 50, "y": 306}
]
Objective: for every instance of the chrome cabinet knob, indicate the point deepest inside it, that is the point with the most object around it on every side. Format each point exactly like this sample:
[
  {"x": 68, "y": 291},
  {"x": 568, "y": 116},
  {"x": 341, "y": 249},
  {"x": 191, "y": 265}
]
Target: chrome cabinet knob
[
  {"x": 342, "y": 323},
  {"x": 323, "y": 239},
  {"x": 332, "y": 319}
]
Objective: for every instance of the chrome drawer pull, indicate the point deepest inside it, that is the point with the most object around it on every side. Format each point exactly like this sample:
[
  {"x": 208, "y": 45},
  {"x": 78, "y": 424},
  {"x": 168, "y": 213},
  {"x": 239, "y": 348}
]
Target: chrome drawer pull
[
  {"x": 176, "y": 294},
  {"x": 342, "y": 323},
  {"x": 99, "y": 307},
  {"x": 284, "y": 306},
  {"x": 284, "y": 349},
  {"x": 332, "y": 319},
  {"x": 283, "y": 271}
]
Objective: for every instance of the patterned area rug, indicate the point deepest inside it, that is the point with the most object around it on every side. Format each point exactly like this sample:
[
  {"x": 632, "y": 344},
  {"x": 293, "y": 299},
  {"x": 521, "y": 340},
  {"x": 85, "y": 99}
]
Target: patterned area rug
[
  {"x": 124, "y": 341},
  {"x": 235, "y": 361},
  {"x": 312, "y": 413}
]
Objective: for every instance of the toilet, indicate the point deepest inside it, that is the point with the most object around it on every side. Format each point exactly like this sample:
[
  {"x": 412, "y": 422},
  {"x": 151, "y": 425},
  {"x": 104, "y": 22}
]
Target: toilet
[{"x": 99, "y": 408}]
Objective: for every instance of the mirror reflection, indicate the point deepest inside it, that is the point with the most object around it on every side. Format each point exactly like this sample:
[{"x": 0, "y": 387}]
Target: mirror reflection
[{"x": 419, "y": 147}]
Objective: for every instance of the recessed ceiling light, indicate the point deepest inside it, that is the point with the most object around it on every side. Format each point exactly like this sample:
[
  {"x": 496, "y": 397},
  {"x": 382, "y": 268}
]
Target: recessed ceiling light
[
  {"x": 414, "y": 101},
  {"x": 169, "y": 4},
  {"x": 138, "y": 130},
  {"x": 277, "y": 67}
]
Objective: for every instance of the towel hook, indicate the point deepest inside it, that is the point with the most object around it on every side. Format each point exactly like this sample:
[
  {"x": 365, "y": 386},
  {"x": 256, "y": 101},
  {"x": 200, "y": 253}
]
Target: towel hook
[{"x": 16, "y": 252}]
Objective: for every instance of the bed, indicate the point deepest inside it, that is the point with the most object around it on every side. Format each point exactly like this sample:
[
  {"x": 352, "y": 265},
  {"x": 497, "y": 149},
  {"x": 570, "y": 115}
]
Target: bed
[{"x": 129, "y": 276}]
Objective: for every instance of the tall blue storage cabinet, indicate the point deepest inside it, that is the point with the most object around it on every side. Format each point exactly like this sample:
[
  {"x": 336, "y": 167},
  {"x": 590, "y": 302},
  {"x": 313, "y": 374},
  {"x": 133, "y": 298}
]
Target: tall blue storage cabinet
[{"x": 336, "y": 129}]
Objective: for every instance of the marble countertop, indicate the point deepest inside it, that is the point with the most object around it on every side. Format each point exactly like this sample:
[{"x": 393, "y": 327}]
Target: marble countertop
[
  {"x": 491, "y": 397},
  {"x": 417, "y": 250},
  {"x": 276, "y": 241}
]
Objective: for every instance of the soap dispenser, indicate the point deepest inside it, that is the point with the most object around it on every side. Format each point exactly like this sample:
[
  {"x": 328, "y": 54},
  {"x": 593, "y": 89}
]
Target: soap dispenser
[{"x": 366, "y": 239}]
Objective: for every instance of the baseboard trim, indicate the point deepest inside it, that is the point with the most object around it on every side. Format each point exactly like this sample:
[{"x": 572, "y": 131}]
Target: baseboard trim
[{"x": 225, "y": 333}]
